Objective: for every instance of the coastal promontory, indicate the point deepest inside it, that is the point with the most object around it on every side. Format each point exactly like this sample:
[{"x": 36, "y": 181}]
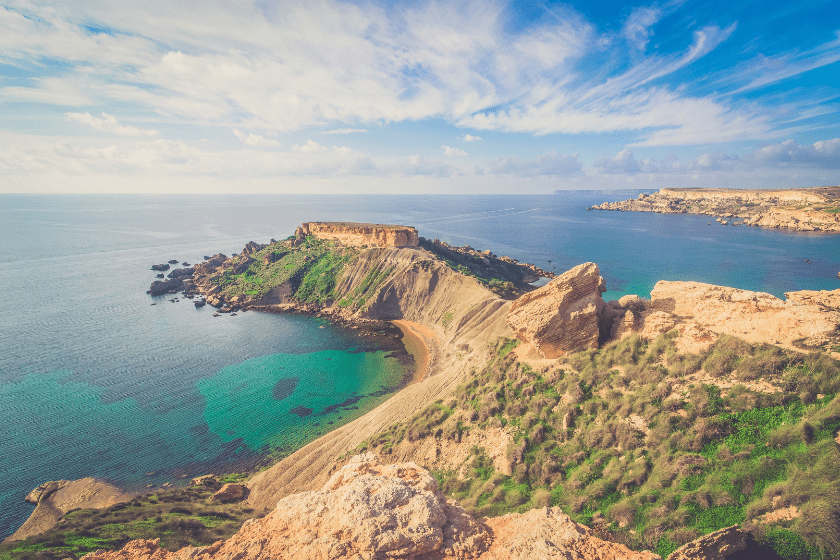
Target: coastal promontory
[{"x": 805, "y": 209}]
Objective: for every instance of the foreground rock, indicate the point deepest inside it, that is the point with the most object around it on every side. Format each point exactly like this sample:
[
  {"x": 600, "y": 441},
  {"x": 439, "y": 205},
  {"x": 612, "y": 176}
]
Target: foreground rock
[
  {"x": 563, "y": 315},
  {"x": 373, "y": 511},
  {"x": 55, "y": 498},
  {"x": 714, "y": 546},
  {"x": 796, "y": 209}
]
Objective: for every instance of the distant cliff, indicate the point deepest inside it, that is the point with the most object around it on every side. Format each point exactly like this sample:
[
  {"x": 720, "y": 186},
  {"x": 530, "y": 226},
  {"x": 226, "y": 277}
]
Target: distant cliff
[
  {"x": 815, "y": 209},
  {"x": 355, "y": 234}
]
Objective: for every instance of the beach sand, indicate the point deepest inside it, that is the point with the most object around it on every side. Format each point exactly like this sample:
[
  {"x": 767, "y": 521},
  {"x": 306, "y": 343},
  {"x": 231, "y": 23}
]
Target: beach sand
[{"x": 415, "y": 338}]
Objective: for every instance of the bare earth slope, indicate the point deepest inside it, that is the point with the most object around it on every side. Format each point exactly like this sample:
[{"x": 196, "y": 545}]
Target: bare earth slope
[{"x": 813, "y": 209}]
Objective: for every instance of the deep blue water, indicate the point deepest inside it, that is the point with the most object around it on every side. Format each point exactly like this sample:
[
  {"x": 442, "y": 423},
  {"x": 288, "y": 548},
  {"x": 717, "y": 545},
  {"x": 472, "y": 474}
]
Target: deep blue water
[{"x": 95, "y": 381}]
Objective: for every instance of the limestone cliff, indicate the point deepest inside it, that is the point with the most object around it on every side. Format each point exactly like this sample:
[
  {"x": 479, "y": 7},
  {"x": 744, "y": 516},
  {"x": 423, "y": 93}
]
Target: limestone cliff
[
  {"x": 354, "y": 234},
  {"x": 796, "y": 209},
  {"x": 374, "y": 511}
]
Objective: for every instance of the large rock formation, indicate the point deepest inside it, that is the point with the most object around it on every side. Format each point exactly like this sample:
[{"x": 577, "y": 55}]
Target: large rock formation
[
  {"x": 373, "y": 511},
  {"x": 350, "y": 233},
  {"x": 563, "y": 315},
  {"x": 57, "y": 497}
]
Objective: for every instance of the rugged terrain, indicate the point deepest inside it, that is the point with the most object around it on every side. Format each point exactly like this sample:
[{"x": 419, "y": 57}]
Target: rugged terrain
[
  {"x": 814, "y": 209},
  {"x": 655, "y": 422}
]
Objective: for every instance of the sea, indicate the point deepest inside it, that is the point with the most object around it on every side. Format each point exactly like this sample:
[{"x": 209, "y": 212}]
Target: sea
[{"x": 97, "y": 378}]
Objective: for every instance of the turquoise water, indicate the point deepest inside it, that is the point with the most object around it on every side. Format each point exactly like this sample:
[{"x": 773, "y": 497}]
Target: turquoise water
[{"x": 97, "y": 381}]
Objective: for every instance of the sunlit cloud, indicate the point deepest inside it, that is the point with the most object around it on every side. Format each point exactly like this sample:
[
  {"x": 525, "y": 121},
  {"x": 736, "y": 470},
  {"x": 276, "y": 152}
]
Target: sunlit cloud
[{"x": 108, "y": 123}]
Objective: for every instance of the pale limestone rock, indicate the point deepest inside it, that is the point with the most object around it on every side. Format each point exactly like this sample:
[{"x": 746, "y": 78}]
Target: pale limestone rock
[
  {"x": 549, "y": 534},
  {"x": 230, "y": 492},
  {"x": 563, "y": 315},
  {"x": 753, "y": 316},
  {"x": 714, "y": 546}
]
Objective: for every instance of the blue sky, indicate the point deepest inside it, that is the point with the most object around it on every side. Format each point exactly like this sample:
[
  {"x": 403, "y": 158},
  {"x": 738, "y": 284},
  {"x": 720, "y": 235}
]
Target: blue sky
[{"x": 389, "y": 97}]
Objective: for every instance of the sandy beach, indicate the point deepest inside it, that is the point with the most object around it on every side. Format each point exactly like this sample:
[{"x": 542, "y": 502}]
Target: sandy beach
[{"x": 414, "y": 339}]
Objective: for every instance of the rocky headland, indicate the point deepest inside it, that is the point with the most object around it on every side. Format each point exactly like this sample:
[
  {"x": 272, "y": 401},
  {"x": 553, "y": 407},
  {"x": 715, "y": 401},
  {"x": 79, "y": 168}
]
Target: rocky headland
[
  {"x": 810, "y": 209},
  {"x": 639, "y": 417}
]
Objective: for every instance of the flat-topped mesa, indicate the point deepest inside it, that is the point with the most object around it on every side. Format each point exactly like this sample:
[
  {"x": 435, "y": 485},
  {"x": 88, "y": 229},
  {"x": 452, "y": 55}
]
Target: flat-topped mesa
[{"x": 355, "y": 234}]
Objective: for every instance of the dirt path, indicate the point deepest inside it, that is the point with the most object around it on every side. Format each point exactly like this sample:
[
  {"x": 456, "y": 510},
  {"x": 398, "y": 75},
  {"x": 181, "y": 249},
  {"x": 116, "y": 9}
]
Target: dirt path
[{"x": 417, "y": 340}]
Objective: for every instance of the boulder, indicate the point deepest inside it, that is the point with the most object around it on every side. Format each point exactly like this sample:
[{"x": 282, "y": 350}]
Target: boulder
[
  {"x": 159, "y": 275},
  {"x": 160, "y": 267},
  {"x": 563, "y": 315},
  {"x": 230, "y": 492},
  {"x": 159, "y": 287},
  {"x": 173, "y": 261},
  {"x": 714, "y": 546}
]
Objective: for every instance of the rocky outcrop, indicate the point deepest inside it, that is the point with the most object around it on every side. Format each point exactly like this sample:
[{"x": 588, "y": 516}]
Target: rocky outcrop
[
  {"x": 714, "y": 546},
  {"x": 563, "y": 315},
  {"x": 549, "y": 534},
  {"x": 208, "y": 481},
  {"x": 703, "y": 312},
  {"x": 230, "y": 492},
  {"x": 55, "y": 498},
  {"x": 160, "y": 287},
  {"x": 374, "y": 511},
  {"x": 160, "y": 267},
  {"x": 796, "y": 209},
  {"x": 354, "y": 234},
  {"x": 809, "y": 318}
]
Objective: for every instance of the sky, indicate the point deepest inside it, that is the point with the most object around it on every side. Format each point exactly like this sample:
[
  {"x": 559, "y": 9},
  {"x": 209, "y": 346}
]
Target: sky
[{"x": 474, "y": 97}]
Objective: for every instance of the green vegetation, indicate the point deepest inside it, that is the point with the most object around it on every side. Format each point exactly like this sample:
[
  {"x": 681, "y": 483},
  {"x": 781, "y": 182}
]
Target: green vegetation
[
  {"x": 640, "y": 441},
  {"x": 178, "y": 517},
  {"x": 311, "y": 270}
]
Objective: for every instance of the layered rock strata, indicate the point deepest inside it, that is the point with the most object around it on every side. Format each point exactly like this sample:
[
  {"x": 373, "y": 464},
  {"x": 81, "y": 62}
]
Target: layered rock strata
[
  {"x": 562, "y": 316},
  {"x": 795, "y": 209},
  {"x": 354, "y": 234},
  {"x": 374, "y": 511}
]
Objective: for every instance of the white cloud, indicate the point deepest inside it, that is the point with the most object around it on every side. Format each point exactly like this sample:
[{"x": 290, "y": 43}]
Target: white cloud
[
  {"x": 637, "y": 27},
  {"x": 552, "y": 163},
  {"x": 622, "y": 162},
  {"x": 470, "y": 138},
  {"x": 427, "y": 60},
  {"x": 108, "y": 123},
  {"x": 255, "y": 139},
  {"x": 449, "y": 151},
  {"x": 824, "y": 154},
  {"x": 345, "y": 131}
]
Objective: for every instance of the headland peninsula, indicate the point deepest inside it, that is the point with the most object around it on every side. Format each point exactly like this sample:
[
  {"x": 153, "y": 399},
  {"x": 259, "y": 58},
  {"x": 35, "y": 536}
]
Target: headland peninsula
[
  {"x": 699, "y": 422},
  {"x": 805, "y": 209}
]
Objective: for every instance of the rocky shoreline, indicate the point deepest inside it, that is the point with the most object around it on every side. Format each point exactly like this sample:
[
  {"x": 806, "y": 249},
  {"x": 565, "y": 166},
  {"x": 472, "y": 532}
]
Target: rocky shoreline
[{"x": 808, "y": 210}]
